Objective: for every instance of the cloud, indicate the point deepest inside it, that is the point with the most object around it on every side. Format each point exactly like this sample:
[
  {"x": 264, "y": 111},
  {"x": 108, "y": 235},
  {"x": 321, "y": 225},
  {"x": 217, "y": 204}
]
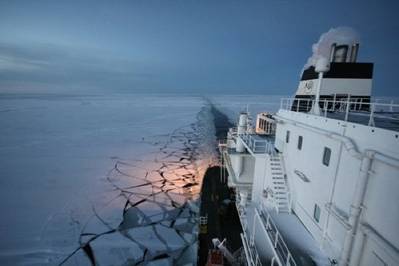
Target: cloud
[
  {"x": 8, "y": 63},
  {"x": 60, "y": 67}
]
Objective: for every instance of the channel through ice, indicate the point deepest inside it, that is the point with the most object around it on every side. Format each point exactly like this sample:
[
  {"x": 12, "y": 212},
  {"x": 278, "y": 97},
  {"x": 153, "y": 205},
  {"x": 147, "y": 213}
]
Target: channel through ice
[{"x": 105, "y": 180}]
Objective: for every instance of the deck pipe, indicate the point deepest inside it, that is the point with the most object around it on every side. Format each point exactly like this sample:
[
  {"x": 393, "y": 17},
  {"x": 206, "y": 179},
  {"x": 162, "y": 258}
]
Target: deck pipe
[
  {"x": 354, "y": 51},
  {"x": 322, "y": 66},
  {"x": 356, "y": 207}
]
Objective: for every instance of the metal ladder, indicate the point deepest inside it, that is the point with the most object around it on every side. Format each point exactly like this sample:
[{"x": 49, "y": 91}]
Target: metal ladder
[{"x": 280, "y": 188}]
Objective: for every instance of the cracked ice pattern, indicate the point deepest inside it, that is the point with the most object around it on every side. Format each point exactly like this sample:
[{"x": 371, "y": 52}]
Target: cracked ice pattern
[{"x": 150, "y": 214}]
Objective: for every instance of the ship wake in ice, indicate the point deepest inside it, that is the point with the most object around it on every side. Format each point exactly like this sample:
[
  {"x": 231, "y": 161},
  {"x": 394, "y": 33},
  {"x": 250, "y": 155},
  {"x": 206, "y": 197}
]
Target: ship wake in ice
[{"x": 150, "y": 215}]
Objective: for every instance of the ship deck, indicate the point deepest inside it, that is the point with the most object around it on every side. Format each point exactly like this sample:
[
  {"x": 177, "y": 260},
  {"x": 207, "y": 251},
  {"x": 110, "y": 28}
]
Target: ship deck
[{"x": 300, "y": 243}]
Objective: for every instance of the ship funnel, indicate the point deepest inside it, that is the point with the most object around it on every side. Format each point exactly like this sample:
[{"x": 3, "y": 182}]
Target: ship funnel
[
  {"x": 332, "y": 52},
  {"x": 340, "y": 53},
  {"x": 354, "y": 51}
]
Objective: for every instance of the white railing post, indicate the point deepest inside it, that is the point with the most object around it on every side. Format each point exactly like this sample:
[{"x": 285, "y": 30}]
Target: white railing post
[
  {"x": 371, "y": 120},
  {"x": 347, "y": 109},
  {"x": 335, "y": 98},
  {"x": 288, "y": 259},
  {"x": 325, "y": 108},
  {"x": 252, "y": 240},
  {"x": 297, "y": 105},
  {"x": 281, "y": 251}
]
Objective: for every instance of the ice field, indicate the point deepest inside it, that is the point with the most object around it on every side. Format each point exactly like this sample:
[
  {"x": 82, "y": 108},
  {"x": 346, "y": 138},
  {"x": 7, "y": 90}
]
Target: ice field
[{"x": 111, "y": 180}]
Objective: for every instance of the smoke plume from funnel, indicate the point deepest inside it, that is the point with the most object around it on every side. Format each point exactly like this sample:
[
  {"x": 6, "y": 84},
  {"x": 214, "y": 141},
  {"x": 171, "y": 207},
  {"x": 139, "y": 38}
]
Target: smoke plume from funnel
[{"x": 339, "y": 35}]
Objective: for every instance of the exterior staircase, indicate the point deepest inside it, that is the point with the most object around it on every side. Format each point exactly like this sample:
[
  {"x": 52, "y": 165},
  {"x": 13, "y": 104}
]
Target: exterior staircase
[{"x": 279, "y": 183}]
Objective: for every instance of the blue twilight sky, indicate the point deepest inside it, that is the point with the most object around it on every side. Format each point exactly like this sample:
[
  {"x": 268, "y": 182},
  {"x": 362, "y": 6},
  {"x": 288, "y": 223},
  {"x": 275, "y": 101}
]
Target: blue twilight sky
[{"x": 184, "y": 46}]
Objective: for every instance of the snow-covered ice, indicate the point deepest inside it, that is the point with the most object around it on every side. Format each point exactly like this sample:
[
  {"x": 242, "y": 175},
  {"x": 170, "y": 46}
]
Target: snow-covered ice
[
  {"x": 105, "y": 179},
  {"x": 101, "y": 178}
]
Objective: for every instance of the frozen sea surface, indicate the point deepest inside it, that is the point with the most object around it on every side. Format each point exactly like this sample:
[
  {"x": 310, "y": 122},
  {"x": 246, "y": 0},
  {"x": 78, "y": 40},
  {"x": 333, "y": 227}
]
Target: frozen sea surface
[
  {"x": 111, "y": 180},
  {"x": 91, "y": 169}
]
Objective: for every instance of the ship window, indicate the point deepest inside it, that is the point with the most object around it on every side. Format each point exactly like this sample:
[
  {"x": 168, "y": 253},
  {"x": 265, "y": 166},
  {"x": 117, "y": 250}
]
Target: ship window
[
  {"x": 287, "y": 136},
  {"x": 316, "y": 213},
  {"x": 300, "y": 139},
  {"x": 326, "y": 156}
]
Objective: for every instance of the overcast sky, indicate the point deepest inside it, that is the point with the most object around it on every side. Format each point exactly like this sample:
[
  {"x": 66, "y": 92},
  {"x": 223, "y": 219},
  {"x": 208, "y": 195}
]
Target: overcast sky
[{"x": 215, "y": 46}]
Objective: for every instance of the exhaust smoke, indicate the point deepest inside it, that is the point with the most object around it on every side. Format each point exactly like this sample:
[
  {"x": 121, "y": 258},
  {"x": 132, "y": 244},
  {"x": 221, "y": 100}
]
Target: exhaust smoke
[{"x": 338, "y": 36}]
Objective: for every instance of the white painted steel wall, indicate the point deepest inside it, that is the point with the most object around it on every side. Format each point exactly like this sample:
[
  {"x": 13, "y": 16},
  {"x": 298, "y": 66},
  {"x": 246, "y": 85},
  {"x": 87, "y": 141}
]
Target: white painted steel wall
[
  {"x": 243, "y": 166},
  {"x": 336, "y": 183},
  {"x": 259, "y": 179}
]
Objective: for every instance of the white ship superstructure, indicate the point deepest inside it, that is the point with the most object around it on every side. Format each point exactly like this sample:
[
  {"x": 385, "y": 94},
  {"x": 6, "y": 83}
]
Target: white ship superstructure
[{"x": 317, "y": 183}]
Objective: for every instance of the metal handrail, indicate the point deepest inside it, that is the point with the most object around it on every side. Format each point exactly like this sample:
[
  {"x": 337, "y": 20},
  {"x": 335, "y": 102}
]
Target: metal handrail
[
  {"x": 358, "y": 106},
  {"x": 278, "y": 242},
  {"x": 250, "y": 251},
  {"x": 256, "y": 145},
  {"x": 222, "y": 142},
  {"x": 203, "y": 220},
  {"x": 289, "y": 195}
]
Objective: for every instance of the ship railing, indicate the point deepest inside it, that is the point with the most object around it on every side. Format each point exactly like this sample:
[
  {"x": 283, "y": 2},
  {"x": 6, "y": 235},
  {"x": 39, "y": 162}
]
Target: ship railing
[
  {"x": 226, "y": 162},
  {"x": 232, "y": 132},
  {"x": 203, "y": 220},
  {"x": 258, "y": 145},
  {"x": 251, "y": 254},
  {"x": 283, "y": 254},
  {"x": 359, "y": 110},
  {"x": 222, "y": 143}
]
